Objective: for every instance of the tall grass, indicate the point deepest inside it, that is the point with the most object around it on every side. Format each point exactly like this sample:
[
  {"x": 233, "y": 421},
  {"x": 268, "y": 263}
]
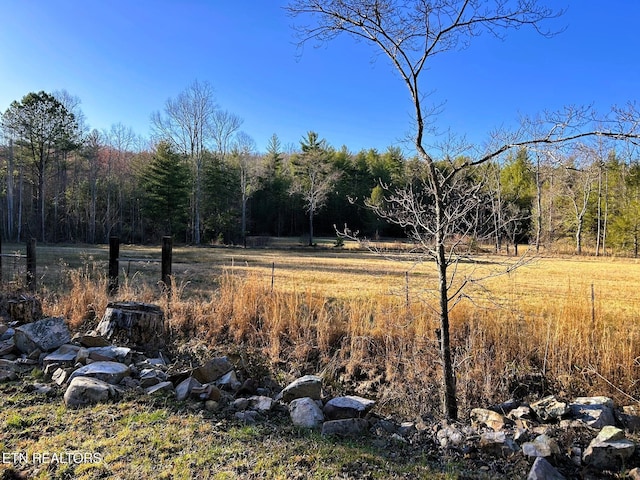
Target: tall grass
[{"x": 381, "y": 346}]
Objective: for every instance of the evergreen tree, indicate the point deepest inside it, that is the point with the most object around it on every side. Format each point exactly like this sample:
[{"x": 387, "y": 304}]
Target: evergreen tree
[{"x": 166, "y": 184}]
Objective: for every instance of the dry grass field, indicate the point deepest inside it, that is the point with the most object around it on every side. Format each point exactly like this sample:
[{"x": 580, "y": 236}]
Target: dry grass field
[
  {"x": 564, "y": 325},
  {"x": 567, "y": 324}
]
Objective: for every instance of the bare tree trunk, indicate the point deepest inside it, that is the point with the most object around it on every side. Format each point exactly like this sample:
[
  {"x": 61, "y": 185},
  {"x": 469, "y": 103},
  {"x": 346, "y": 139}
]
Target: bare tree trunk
[
  {"x": 599, "y": 211},
  {"x": 538, "y": 204},
  {"x": 10, "y": 192}
]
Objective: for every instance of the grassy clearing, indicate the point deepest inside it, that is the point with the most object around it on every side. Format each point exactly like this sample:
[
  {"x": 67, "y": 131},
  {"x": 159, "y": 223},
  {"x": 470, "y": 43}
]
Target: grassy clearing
[
  {"x": 361, "y": 317},
  {"x": 159, "y": 438},
  {"x": 565, "y": 325}
]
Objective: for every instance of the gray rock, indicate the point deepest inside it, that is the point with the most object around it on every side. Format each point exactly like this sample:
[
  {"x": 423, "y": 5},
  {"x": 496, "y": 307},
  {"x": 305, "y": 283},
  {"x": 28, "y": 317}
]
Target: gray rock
[
  {"x": 229, "y": 381},
  {"x": 65, "y": 356},
  {"x": 7, "y": 371},
  {"x": 348, "y": 427},
  {"x": 307, "y": 386},
  {"x": 183, "y": 389},
  {"x": 110, "y": 353},
  {"x": 450, "y": 436},
  {"x": 350, "y": 406},
  {"x": 542, "y": 446},
  {"x": 45, "y": 335},
  {"x": 543, "y": 470},
  {"x": 497, "y": 443},
  {"x": 160, "y": 387},
  {"x": 489, "y": 418},
  {"x": 596, "y": 412},
  {"x": 61, "y": 375},
  {"x": 250, "y": 417},
  {"x": 260, "y": 403},
  {"x": 151, "y": 376},
  {"x": 88, "y": 391},
  {"x": 211, "y": 405},
  {"x": 212, "y": 370},
  {"x": 110, "y": 372},
  {"x": 629, "y": 417},
  {"x": 7, "y": 346},
  {"x": 406, "y": 429},
  {"x": 241, "y": 403},
  {"x": 609, "y": 450},
  {"x": 549, "y": 408},
  {"x": 305, "y": 412},
  {"x": 90, "y": 340}
]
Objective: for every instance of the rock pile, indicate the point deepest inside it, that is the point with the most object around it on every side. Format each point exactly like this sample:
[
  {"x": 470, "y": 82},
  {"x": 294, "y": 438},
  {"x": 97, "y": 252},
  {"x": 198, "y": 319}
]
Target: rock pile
[{"x": 555, "y": 438}]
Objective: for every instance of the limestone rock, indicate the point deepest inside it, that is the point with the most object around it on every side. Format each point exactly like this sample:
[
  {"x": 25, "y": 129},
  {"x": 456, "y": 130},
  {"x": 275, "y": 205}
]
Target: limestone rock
[
  {"x": 348, "y": 427},
  {"x": 450, "y": 436},
  {"x": 307, "y": 386},
  {"x": 45, "y": 335},
  {"x": 260, "y": 403},
  {"x": 90, "y": 340},
  {"x": 489, "y": 418},
  {"x": 110, "y": 372},
  {"x": 229, "y": 381},
  {"x": 7, "y": 346},
  {"x": 542, "y": 446},
  {"x": 629, "y": 417},
  {"x": 87, "y": 391},
  {"x": 350, "y": 406},
  {"x": 596, "y": 412},
  {"x": 65, "y": 356},
  {"x": 497, "y": 443},
  {"x": 159, "y": 387},
  {"x": 212, "y": 370},
  {"x": 549, "y": 408},
  {"x": 183, "y": 389},
  {"x": 110, "y": 353},
  {"x": 543, "y": 470},
  {"x": 609, "y": 450},
  {"x": 305, "y": 412}
]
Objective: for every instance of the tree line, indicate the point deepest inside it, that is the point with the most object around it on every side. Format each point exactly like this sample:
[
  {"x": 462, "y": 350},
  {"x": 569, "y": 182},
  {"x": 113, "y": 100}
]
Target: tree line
[{"x": 201, "y": 180}]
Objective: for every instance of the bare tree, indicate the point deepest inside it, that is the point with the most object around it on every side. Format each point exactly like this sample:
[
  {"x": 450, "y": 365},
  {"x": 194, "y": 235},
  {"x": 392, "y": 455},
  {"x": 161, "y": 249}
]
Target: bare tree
[
  {"x": 244, "y": 153},
  {"x": 224, "y": 126},
  {"x": 410, "y": 33},
  {"x": 187, "y": 125},
  {"x": 313, "y": 176}
]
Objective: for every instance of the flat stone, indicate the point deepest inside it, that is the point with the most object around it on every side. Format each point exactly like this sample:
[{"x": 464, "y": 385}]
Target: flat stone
[
  {"x": 110, "y": 372},
  {"x": 45, "y": 335},
  {"x": 596, "y": 412},
  {"x": 347, "y": 407},
  {"x": 450, "y": 436},
  {"x": 63, "y": 356},
  {"x": 110, "y": 353},
  {"x": 549, "y": 408},
  {"x": 206, "y": 392},
  {"x": 306, "y": 413},
  {"x": 160, "y": 387},
  {"x": 88, "y": 391},
  {"x": 7, "y": 346},
  {"x": 489, "y": 418},
  {"x": 308, "y": 386},
  {"x": 212, "y": 370},
  {"x": 91, "y": 340},
  {"x": 348, "y": 427}
]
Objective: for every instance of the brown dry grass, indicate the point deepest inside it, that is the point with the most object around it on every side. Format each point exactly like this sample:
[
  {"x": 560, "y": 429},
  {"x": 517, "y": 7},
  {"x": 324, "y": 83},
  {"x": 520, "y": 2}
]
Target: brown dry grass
[{"x": 345, "y": 313}]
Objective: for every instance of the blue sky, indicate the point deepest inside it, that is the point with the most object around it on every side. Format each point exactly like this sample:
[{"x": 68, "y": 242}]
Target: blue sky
[{"x": 125, "y": 58}]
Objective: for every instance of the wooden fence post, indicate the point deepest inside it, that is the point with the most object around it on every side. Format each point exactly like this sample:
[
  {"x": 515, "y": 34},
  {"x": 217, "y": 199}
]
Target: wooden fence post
[
  {"x": 114, "y": 254},
  {"x": 167, "y": 246},
  {"x": 31, "y": 264}
]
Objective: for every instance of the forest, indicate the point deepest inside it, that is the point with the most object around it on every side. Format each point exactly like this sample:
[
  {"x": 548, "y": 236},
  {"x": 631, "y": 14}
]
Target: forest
[{"x": 200, "y": 179}]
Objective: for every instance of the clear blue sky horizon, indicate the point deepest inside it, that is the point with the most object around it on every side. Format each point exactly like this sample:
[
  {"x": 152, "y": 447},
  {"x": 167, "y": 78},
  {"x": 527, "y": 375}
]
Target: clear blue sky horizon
[{"x": 124, "y": 59}]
